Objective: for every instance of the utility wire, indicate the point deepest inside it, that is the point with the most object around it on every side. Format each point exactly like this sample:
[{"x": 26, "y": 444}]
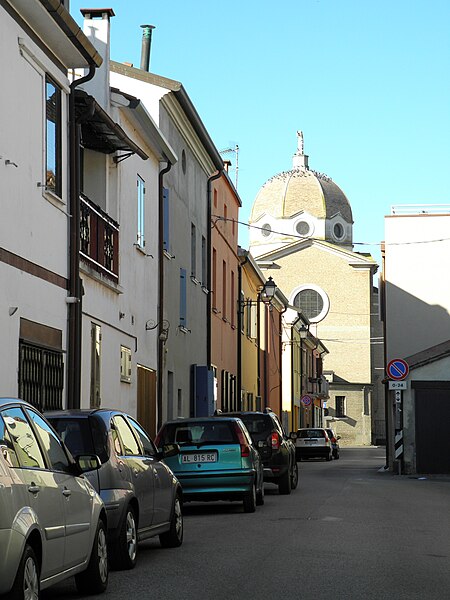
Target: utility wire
[{"x": 302, "y": 237}]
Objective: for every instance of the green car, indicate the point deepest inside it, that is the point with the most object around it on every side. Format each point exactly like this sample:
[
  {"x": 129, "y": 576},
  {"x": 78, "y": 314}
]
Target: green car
[{"x": 217, "y": 460}]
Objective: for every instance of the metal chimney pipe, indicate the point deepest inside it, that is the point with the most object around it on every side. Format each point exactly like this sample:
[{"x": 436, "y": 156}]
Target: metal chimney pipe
[{"x": 146, "y": 45}]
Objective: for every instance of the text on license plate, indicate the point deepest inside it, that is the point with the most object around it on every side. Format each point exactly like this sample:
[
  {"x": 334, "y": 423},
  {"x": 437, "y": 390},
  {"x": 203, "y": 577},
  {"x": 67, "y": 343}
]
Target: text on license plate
[
  {"x": 199, "y": 457},
  {"x": 311, "y": 441}
]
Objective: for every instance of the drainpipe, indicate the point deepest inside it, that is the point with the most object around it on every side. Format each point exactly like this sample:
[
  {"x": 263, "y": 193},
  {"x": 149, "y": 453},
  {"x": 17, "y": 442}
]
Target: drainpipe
[
  {"x": 208, "y": 261},
  {"x": 160, "y": 360},
  {"x": 74, "y": 341}
]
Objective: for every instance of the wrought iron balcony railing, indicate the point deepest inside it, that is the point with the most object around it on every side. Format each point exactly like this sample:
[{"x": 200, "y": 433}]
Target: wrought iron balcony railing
[{"x": 99, "y": 239}]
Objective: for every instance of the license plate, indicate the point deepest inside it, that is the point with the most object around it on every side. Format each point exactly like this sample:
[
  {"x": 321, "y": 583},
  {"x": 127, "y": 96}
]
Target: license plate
[
  {"x": 311, "y": 441},
  {"x": 199, "y": 457}
]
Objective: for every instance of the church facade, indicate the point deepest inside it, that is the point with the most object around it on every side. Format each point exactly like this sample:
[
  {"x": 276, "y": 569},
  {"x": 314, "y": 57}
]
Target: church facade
[{"x": 302, "y": 235}]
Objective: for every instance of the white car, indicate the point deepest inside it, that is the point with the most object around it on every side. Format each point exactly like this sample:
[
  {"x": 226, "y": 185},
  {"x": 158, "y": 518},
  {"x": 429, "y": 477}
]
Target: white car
[
  {"x": 312, "y": 442},
  {"x": 52, "y": 521}
]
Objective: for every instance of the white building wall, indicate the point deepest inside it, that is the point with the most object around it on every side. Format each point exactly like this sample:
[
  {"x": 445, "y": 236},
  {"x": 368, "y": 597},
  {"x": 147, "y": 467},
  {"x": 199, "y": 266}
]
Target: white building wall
[
  {"x": 188, "y": 204},
  {"x": 34, "y": 224},
  {"x": 417, "y": 248}
]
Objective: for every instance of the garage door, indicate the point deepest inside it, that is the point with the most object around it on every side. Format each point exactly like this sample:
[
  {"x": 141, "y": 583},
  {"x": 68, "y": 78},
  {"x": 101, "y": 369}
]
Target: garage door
[{"x": 432, "y": 427}]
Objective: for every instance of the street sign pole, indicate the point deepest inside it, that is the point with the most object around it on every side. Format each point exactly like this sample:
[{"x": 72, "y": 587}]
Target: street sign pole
[{"x": 397, "y": 371}]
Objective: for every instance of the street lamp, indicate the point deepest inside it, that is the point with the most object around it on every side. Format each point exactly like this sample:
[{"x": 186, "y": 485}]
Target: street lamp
[
  {"x": 303, "y": 331},
  {"x": 268, "y": 291}
]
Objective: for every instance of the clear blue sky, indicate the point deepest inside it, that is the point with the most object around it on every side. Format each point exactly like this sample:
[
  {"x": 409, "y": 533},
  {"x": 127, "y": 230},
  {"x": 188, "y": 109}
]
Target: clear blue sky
[{"x": 367, "y": 82}]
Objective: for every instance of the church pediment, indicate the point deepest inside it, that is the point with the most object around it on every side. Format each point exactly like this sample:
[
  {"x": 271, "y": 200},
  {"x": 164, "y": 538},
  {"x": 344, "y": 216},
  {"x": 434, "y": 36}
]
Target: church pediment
[{"x": 354, "y": 259}]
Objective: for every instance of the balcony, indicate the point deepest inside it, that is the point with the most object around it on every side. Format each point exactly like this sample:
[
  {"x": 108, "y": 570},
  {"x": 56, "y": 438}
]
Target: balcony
[{"x": 99, "y": 239}]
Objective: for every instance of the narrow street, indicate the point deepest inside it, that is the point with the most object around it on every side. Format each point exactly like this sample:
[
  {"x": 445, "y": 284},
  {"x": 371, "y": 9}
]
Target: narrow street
[{"x": 347, "y": 532}]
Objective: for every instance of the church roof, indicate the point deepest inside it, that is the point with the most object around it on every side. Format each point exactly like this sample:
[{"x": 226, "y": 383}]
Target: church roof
[{"x": 286, "y": 194}]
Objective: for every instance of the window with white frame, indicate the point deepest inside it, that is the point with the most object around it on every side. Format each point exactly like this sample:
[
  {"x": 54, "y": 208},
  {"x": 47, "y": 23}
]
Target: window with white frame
[
  {"x": 140, "y": 237},
  {"x": 53, "y": 155},
  {"x": 125, "y": 364}
]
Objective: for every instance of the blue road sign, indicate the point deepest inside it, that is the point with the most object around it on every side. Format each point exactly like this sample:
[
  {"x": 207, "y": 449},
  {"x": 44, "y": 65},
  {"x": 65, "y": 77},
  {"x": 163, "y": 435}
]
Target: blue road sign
[
  {"x": 306, "y": 400},
  {"x": 397, "y": 369}
]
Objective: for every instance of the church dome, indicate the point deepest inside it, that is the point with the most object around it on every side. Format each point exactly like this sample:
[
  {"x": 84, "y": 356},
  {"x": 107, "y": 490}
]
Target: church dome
[{"x": 303, "y": 191}]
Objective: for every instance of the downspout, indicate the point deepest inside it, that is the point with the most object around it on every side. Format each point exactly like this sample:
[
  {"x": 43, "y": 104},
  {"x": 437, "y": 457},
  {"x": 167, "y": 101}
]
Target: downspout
[
  {"x": 293, "y": 424},
  {"x": 258, "y": 344},
  {"x": 74, "y": 341},
  {"x": 160, "y": 359},
  {"x": 208, "y": 262}
]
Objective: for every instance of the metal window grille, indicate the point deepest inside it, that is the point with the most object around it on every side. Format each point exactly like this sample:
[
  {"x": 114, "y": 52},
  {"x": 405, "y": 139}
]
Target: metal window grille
[{"x": 41, "y": 376}]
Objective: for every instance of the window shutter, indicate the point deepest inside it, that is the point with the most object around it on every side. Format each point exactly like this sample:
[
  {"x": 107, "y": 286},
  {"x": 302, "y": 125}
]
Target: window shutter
[{"x": 254, "y": 321}]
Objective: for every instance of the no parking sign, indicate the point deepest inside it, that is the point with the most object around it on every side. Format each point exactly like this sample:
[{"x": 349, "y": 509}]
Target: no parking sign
[
  {"x": 397, "y": 369},
  {"x": 306, "y": 400}
]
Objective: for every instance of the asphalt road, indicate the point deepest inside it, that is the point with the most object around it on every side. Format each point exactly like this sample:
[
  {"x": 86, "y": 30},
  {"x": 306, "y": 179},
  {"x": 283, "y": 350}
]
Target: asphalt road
[{"x": 349, "y": 532}]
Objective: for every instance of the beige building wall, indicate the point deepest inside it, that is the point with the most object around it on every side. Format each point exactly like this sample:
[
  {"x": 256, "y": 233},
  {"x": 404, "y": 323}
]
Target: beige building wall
[{"x": 346, "y": 279}]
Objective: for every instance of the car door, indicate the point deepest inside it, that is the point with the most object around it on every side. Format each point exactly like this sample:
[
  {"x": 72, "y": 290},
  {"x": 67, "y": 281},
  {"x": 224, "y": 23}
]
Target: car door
[
  {"x": 76, "y": 493},
  {"x": 140, "y": 470},
  {"x": 42, "y": 494},
  {"x": 163, "y": 477}
]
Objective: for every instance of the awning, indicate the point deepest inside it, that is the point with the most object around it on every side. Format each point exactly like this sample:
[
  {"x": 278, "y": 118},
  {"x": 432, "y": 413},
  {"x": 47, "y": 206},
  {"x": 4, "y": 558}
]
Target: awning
[{"x": 98, "y": 131}]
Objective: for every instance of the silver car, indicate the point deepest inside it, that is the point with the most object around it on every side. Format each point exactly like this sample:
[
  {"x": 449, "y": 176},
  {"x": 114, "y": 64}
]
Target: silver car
[
  {"x": 143, "y": 498},
  {"x": 52, "y": 522}
]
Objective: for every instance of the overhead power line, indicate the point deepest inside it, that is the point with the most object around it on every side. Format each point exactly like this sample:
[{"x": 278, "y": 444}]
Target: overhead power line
[{"x": 302, "y": 237}]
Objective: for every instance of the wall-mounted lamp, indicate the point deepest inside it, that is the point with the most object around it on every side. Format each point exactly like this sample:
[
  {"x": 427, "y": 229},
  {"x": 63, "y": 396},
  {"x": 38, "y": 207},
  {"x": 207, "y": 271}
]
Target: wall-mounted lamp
[
  {"x": 303, "y": 331},
  {"x": 268, "y": 291},
  {"x": 164, "y": 328}
]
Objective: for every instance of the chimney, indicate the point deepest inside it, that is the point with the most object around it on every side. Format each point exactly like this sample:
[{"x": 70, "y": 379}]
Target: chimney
[
  {"x": 146, "y": 45},
  {"x": 96, "y": 27},
  {"x": 227, "y": 165}
]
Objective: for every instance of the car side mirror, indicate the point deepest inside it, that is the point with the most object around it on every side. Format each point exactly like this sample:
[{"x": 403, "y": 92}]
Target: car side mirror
[
  {"x": 169, "y": 450},
  {"x": 88, "y": 462},
  {"x": 293, "y": 435}
]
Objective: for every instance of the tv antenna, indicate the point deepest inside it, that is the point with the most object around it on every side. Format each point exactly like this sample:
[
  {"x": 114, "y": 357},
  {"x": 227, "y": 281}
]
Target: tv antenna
[{"x": 234, "y": 150}]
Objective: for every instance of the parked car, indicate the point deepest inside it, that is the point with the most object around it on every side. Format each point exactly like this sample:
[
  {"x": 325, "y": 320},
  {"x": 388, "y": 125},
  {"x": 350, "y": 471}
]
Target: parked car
[
  {"x": 276, "y": 449},
  {"x": 334, "y": 443},
  {"x": 142, "y": 496},
  {"x": 312, "y": 442},
  {"x": 52, "y": 521},
  {"x": 217, "y": 460}
]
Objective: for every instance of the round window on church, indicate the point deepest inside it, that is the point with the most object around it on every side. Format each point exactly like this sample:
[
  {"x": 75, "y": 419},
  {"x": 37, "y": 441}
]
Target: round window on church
[
  {"x": 338, "y": 231},
  {"x": 303, "y": 228},
  {"x": 266, "y": 230},
  {"x": 313, "y": 303}
]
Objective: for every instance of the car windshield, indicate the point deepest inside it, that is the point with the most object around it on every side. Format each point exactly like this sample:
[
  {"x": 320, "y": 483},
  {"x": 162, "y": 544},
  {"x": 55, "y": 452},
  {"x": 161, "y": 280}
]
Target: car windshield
[
  {"x": 199, "y": 433},
  {"x": 311, "y": 433}
]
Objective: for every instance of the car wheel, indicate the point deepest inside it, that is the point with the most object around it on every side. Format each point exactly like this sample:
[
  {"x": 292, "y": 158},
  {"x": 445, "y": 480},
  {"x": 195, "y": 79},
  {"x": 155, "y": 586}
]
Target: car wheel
[
  {"x": 26, "y": 584},
  {"x": 124, "y": 550},
  {"x": 284, "y": 484},
  {"x": 94, "y": 580},
  {"x": 250, "y": 500},
  {"x": 294, "y": 477},
  {"x": 174, "y": 537}
]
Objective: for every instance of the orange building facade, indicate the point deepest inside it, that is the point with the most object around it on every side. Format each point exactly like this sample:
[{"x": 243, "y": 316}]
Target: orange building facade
[{"x": 225, "y": 204}]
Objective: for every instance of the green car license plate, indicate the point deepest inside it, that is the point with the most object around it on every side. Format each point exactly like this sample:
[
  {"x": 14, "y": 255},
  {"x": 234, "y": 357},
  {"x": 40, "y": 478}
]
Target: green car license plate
[{"x": 199, "y": 457}]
